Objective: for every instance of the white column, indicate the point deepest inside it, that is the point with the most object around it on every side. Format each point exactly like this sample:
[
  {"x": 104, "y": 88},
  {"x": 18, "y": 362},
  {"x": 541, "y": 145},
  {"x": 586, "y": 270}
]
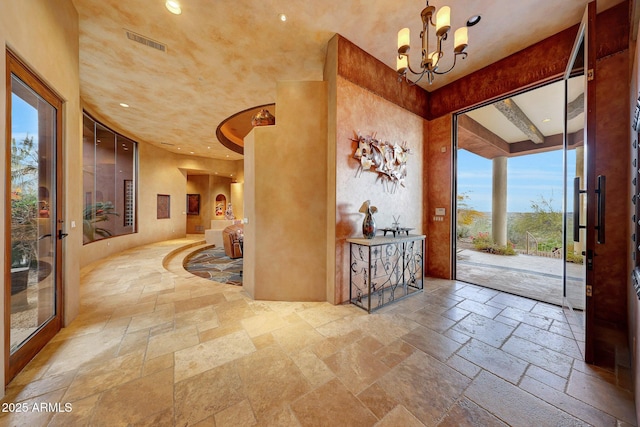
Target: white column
[{"x": 499, "y": 202}]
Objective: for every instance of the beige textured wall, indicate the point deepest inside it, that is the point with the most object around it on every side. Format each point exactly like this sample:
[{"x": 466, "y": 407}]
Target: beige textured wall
[
  {"x": 330, "y": 75},
  {"x": 237, "y": 199},
  {"x": 285, "y": 198},
  {"x": 251, "y": 227},
  {"x": 359, "y": 110},
  {"x": 45, "y": 36},
  {"x": 237, "y": 190}
]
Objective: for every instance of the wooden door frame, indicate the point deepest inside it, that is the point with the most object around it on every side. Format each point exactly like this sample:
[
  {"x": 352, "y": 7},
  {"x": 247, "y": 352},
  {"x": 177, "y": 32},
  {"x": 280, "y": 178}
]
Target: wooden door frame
[
  {"x": 16, "y": 362},
  {"x": 590, "y": 145}
]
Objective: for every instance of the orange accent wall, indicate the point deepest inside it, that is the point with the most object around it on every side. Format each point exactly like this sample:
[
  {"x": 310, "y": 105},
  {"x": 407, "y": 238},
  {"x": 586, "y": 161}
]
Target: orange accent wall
[
  {"x": 438, "y": 162},
  {"x": 613, "y": 161}
]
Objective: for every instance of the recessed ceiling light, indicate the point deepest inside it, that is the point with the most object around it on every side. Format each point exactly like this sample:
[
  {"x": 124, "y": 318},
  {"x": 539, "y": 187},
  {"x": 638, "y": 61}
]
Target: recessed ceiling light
[
  {"x": 191, "y": 152},
  {"x": 546, "y": 120},
  {"x": 227, "y": 155},
  {"x": 173, "y": 6},
  {"x": 122, "y": 104},
  {"x": 209, "y": 148},
  {"x": 179, "y": 148},
  {"x": 282, "y": 17},
  {"x": 473, "y": 20}
]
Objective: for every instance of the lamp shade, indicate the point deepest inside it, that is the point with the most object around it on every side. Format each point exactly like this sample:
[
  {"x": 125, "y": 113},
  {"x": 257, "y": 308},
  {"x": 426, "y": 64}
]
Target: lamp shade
[
  {"x": 461, "y": 40},
  {"x": 404, "y": 37},
  {"x": 443, "y": 20},
  {"x": 402, "y": 63}
]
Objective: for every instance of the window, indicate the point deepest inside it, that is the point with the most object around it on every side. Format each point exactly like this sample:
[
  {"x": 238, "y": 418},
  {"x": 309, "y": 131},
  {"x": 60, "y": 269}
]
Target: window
[{"x": 109, "y": 182}]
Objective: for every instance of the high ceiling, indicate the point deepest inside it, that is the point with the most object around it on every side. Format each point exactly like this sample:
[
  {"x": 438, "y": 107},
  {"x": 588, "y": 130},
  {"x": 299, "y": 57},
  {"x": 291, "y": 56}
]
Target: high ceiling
[{"x": 225, "y": 56}]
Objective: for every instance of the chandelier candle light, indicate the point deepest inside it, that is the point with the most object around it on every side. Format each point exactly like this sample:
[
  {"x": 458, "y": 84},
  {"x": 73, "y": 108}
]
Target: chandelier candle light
[{"x": 431, "y": 60}]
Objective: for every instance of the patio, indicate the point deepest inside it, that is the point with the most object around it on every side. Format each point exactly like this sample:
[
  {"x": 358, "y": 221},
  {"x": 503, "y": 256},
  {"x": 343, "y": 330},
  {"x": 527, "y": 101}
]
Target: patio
[{"x": 530, "y": 276}]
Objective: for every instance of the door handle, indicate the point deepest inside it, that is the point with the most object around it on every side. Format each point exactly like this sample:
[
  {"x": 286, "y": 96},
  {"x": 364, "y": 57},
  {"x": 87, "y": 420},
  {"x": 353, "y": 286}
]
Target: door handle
[
  {"x": 576, "y": 208},
  {"x": 62, "y": 235},
  {"x": 600, "y": 193}
]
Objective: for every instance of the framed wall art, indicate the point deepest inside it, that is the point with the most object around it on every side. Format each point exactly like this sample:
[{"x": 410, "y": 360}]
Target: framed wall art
[
  {"x": 164, "y": 206},
  {"x": 193, "y": 204}
]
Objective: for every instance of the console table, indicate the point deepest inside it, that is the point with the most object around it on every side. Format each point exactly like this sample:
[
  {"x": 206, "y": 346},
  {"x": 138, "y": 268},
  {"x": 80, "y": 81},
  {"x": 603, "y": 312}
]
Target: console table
[{"x": 384, "y": 269}]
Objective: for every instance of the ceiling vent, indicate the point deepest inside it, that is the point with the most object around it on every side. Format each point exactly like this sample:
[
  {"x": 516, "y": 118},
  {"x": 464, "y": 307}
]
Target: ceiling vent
[
  {"x": 146, "y": 41},
  {"x": 166, "y": 143}
]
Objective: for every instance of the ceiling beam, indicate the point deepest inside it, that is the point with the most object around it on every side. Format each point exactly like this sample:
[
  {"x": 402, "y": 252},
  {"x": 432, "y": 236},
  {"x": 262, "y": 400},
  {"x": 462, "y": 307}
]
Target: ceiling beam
[
  {"x": 515, "y": 115},
  {"x": 474, "y": 137}
]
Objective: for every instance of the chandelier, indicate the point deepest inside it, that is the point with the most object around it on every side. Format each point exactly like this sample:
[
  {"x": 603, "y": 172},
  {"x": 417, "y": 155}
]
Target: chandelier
[{"x": 431, "y": 60}]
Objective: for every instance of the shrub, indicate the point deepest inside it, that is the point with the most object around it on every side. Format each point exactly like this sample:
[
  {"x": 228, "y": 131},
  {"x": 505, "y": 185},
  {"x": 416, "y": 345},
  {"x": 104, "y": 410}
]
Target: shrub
[
  {"x": 482, "y": 242},
  {"x": 575, "y": 258}
]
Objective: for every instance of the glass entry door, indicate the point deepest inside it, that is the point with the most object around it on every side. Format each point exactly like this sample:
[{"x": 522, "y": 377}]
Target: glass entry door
[
  {"x": 33, "y": 244},
  {"x": 584, "y": 192}
]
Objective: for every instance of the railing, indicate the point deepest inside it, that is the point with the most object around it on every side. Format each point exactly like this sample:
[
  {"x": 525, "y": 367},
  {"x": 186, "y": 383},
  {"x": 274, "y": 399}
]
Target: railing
[
  {"x": 531, "y": 239},
  {"x": 533, "y": 248}
]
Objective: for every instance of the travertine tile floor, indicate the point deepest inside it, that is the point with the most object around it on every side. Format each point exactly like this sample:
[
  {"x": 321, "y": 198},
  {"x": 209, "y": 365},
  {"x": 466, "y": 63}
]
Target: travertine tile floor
[{"x": 158, "y": 347}]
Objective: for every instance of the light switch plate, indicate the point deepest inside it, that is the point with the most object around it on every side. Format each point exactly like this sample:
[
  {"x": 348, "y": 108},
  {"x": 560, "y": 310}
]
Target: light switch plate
[{"x": 441, "y": 211}]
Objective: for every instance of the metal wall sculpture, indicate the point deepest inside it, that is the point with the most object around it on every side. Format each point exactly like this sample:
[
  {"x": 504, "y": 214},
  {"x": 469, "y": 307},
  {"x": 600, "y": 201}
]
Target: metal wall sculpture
[{"x": 388, "y": 160}]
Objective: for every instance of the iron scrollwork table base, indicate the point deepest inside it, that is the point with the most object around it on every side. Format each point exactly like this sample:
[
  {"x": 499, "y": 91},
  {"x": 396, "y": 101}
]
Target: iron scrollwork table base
[{"x": 385, "y": 269}]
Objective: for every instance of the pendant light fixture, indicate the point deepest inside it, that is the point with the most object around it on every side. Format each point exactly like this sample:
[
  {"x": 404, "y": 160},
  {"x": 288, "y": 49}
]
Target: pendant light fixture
[{"x": 430, "y": 63}]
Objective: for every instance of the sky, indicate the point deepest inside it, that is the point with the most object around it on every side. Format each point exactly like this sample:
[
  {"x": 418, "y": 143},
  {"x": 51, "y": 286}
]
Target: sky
[
  {"x": 528, "y": 178},
  {"x": 24, "y": 119}
]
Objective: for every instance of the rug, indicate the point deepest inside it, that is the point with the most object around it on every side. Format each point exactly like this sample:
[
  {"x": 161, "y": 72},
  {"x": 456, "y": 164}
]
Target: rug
[{"x": 213, "y": 264}]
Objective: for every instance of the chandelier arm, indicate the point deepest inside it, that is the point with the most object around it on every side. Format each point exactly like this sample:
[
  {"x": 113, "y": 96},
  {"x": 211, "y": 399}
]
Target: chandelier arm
[
  {"x": 455, "y": 57},
  {"x": 412, "y": 83},
  {"x": 409, "y": 65}
]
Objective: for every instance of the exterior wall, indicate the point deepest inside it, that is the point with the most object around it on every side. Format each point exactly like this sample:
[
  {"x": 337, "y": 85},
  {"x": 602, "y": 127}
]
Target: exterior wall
[
  {"x": 45, "y": 36},
  {"x": 285, "y": 177}
]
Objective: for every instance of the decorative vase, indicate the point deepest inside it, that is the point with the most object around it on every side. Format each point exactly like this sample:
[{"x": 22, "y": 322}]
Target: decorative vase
[
  {"x": 263, "y": 118},
  {"x": 368, "y": 225}
]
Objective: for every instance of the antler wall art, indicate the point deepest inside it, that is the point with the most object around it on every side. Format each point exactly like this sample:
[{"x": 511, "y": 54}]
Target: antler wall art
[{"x": 386, "y": 159}]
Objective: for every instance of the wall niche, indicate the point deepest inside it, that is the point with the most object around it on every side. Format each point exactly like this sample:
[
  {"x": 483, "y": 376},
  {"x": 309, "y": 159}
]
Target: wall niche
[{"x": 220, "y": 206}]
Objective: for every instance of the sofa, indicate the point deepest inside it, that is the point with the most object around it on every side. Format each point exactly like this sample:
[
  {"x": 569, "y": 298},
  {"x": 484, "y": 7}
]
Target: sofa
[{"x": 232, "y": 240}]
